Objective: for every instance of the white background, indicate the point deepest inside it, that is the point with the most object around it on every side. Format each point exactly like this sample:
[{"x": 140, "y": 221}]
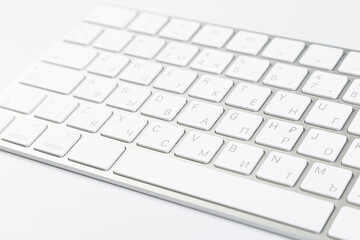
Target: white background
[{"x": 42, "y": 202}]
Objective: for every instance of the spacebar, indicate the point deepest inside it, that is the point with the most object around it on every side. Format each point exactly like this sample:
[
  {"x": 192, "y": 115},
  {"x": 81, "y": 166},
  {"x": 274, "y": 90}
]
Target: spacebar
[{"x": 225, "y": 189}]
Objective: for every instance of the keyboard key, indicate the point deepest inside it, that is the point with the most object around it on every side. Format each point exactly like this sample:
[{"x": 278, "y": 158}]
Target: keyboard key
[
  {"x": 282, "y": 168},
  {"x": 242, "y": 194},
  {"x": 322, "y": 57},
  {"x": 89, "y": 118},
  {"x": 23, "y": 131},
  {"x": 160, "y": 137},
  {"x": 247, "y": 42},
  {"x": 352, "y": 156},
  {"x": 128, "y": 97},
  {"x": 56, "y": 109},
  {"x": 179, "y": 29},
  {"x": 249, "y": 97},
  {"x": 352, "y": 95},
  {"x": 279, "y": 134},
  {"x": 124, "y": 127},
  {"x": 163, "y": 106},
  {"x": 240, "y": 125},
  {"x": 213, "y": 36},
  {"x": 70, "y": 55},
  {"x": 351, "y": 64},
  {"x": 211, "y": 88},
  {"x": 178, "y": 54},
  {"x": 345, "y": 225},
  {"x": 108, "y": 65},
  {"x": 212, "y": 61},
  {"x": 326, "y": 180},
  {"x": 51, "y": 77},
  {"x": 354, "y": 127},
  {"x": 200, "y": 115},
  {"x": 110, "y": 16},
  {"x": 95, "y": 89},
  {"x": 100, "y": 153},
  {"x": 324, "y": 84},
  {"x": 144, "y": 47},
  {"x": 141, "y": 72},
  {"x": 113, "y": 40},
  {"x": 283, "y": 49},
  {"x": 5, "y": 119},
  {"x": 238, "y": 157},
  {"x": 285, "y": 76},
  {"x": 199, "y": 147},
  {"x": 354, "y": 196},
  {"x": 20, "y": 98},
  {"x": 329, "y": 115},
  {"x": 83, "y": 33},
  {"x": 248, "y": 68},
  {"x": 287, "y": 105},
  {"x": 175, "y": 80},
  {"x": 56, "y": 142},
  {"x": 148, "y": 23},
  {"x": 322, "y": 145}
]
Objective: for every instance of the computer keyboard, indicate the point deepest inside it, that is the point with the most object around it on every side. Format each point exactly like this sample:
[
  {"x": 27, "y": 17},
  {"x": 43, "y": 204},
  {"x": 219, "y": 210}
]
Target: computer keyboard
[{"x": 258, "y": 129}]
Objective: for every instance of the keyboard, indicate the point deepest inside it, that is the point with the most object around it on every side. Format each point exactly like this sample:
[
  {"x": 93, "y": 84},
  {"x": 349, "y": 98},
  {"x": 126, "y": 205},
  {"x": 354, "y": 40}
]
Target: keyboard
[{"x": 258, "y": 129}]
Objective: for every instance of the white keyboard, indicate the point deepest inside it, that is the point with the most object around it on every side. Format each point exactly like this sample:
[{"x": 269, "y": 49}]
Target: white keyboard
[{"x": 258, "y": 129}]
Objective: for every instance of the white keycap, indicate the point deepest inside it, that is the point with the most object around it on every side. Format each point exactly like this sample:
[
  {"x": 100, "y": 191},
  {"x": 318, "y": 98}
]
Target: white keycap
[
  {"x": 141, "y": 72},
  {"x": 212, "y": 61},
  {"x": 20, "y": 98},
  {"x": 199, "y": 147},
  {"x": 283, "y": 49},
  {"x": 51, "y": 77},
  {"x": 285, "y": 76},
  {"x": 211, "y": 88},
  {"x": 352, "y": 95},
  {"x": 238, "y": 157},
  {"x": 282, "y": 168},
  {"x": 160, "y": 137},
  {"x": 354, "y": 196},
  {"x": 345, "y": 225},
  {"x": 110, "y": 16},
  {"x": 113, "y": 40},
  {"x": 5, "y": 119},
  {"x": 352, "y": 156},
  {"x": 163, "y": 106},
  {"x": 23, "y": 131},
  {"x": 322, "y": 57},
  {"x": 179, "y": 29},
  {"x": 240, "y": 125},
  {"x": 354, "y": 127},
  {"x": 247, "y": 42},
  {"x": 249, "y": 97},
  {"x": 287, "y": 105},
  {"x": 322, "y": 145},
  {"x": 123, "y": 127},
  {"x": 128, "y": 97},
  {"x": 83, "y": 33},
  {"x": 329, "y": 114},
  {"x": 325, "y": 84},
  {"x": 108, "y": 65},
  {"x": 56, "y": 109},
  {"x": 56, "y": 142},
  {"x": 213, "y": 36},
  {"x": 326, "y": 180},
  {"x": 95, "y": 89},
  {"x": 229, "y": 190},
  {"x": 351, "y": 64},
  {"x": 175, "y": 80},
  {"x": 279, "y": 134},
  {"x": 144, "y": 47},
  {"x": 70, "y": 55},
  {"x": 89, "y": 118},
  {"x": 148, "y": 23},
  {"x": 100, "y": 153},
  {"x": 248, "y": 68},
  {"x": 200, "y": 115},
  {"x": 179, "y": 54}
]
